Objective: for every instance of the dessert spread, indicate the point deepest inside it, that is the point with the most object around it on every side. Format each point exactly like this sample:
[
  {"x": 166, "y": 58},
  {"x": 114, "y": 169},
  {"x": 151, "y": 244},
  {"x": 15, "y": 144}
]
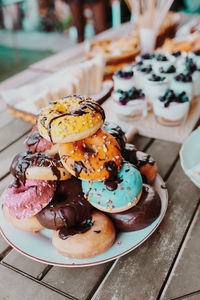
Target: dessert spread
[{"x": 90, "y": 184}]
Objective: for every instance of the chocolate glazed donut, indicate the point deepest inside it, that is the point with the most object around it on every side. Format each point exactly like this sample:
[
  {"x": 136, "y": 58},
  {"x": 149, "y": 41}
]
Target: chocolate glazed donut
[
  {"x": 140, "y": 216},
  {"x": 68, "y": 207}
]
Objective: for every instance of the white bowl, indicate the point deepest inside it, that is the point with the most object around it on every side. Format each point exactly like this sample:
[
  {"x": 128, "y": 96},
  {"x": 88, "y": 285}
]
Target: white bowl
[{"x": 190, "y": 155}]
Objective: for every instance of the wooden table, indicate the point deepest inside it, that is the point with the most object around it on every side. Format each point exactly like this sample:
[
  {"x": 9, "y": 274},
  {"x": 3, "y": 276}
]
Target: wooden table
[{"x": 166, "y": 266}]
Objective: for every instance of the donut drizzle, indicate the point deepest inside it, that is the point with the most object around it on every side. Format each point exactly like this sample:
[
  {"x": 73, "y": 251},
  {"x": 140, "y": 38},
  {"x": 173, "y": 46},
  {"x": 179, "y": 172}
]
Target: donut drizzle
[
  {"x": 24, "y": 160},
  {"x": 65, "y": 232},
  {"x": 78, "y": 167},
  {"x": 34, "y": 139}
]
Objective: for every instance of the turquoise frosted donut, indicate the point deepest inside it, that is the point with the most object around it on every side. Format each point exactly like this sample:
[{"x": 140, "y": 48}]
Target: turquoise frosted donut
[{"x": 117, "y": 195}]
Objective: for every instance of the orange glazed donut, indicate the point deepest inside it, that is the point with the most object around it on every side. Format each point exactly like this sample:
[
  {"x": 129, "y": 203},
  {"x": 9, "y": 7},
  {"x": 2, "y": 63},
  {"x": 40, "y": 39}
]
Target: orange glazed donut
[
  {"x": 85, "y": 241},
  {"x": 70, "y": 119},
  {"x": 95, "y": 158},
  {"x": 28, "y": 224}
]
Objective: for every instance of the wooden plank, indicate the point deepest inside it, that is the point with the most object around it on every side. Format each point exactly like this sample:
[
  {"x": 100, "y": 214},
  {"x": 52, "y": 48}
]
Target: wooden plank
[
  {"x": 5, "y": 118},
  {"x": 141, "y": 273},
  {"x": 191, "y": 297},
  {"x": 77, "y": 282},
  {"x": 5, "y": 182},
  {"x": 184, "y": 278},
  {"x": 8, "y": 154},
  {"x": 13, "y": 131},
  {"x": 24, "y": 264},
  {"x": 16, "y": 286},
  {"x": 3, "y": 245}
]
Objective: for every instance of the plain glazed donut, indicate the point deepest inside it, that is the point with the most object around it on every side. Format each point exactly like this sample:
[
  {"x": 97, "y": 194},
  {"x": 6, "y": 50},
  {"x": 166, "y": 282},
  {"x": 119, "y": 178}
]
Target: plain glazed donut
[
  {"x": 38, "y": 166},
  {"x": 35, "y": 143},
  {"x": 142, "y": 215},
  {"x": 86, "y": 241},
  {"x": 28, "y": 224},
  {"x": 68, "y": 207},
  {"x": 94, "y": 158},
  {"x": 70, "y": 119},
  {"x": 143, "y": 161}
]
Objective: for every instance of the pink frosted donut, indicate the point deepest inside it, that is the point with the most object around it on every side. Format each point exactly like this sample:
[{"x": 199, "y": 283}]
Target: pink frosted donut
[
  {"x": 24, "y": 201},
  {"x": 36, "y": 143}
]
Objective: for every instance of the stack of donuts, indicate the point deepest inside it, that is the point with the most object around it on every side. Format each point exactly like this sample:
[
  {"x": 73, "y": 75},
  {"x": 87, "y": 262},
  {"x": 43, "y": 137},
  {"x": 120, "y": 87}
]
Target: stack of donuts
[{"x": 81, "y": 180}]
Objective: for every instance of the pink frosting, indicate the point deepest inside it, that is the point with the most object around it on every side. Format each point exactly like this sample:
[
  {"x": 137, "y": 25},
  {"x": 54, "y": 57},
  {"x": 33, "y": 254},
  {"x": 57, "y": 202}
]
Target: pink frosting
[
  {"x": 39, "y": 147},
  {"x": 27, "y": 200}
]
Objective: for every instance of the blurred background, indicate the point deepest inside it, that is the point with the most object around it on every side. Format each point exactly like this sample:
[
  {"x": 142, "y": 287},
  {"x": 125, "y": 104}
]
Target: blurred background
[{"x": 31, "y": 30}]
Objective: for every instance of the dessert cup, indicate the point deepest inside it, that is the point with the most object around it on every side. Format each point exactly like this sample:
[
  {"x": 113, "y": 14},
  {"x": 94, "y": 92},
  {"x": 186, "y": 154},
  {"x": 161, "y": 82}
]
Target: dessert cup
[
  {"x": 173, "y": 110},
  {"x": 155, "y": 86},
  {"x": 130, "y": 106}
]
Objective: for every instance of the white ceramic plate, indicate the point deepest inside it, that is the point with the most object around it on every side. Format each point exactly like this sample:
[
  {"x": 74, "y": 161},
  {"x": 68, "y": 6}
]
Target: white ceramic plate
[
  {"x": 38, "y": 246},
  {"x": 190, "y": 155}
]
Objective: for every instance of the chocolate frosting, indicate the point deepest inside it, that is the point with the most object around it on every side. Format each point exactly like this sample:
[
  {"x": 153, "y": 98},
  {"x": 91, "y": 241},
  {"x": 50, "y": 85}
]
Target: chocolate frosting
[
  {"x": 137, "y": 158},
  {"x": 24, "y": 160},
  {"x": 116, "y": 131},
  {"x": 68, "y": 207},
  {"x": 140, "y": 216},
  {"x": 66, "y": 232}
]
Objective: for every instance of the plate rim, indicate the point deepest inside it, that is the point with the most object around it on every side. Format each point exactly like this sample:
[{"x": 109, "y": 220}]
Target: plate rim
[{"x": 76, "y": 265}]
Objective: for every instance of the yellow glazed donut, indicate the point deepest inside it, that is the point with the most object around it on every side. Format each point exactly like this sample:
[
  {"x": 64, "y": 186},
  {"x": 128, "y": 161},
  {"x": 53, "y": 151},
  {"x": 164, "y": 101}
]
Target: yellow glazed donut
[
  {"x": 28, "y": 224},
  {"x": 70, "y": 119},
  {"x": 97, "y": 239},
  {"x": 95, "y": 158}
]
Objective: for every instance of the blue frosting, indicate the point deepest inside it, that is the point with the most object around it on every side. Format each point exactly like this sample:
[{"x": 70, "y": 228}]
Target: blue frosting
[{"x": 125, "y": 193}]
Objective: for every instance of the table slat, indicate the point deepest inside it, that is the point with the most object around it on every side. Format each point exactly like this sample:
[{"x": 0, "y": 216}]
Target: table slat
[
  {"x": 16, "y": 286},
  {"x": 24, "y": 264},
  {"x": 184, "y": 277},
  {"x": 13, "y": 131},
  {"x": 78, "y": 282}
]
